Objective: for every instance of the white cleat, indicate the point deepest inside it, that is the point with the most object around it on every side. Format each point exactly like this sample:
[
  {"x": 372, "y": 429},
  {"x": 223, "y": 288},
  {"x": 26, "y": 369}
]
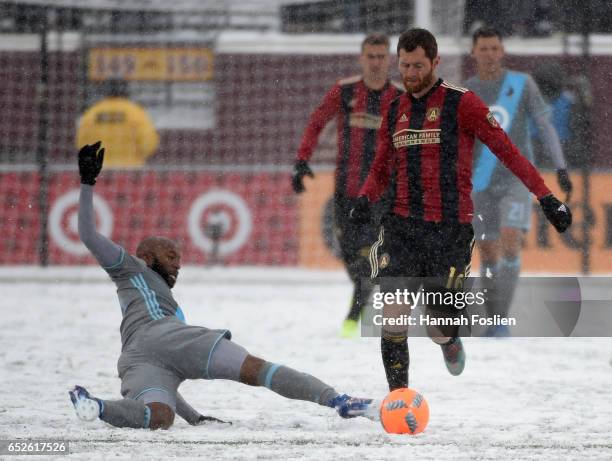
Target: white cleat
[
  {"x": 351, "y": 407},
  {"x": 373, "y": 411},
  {"x": 86, "y": 407}
]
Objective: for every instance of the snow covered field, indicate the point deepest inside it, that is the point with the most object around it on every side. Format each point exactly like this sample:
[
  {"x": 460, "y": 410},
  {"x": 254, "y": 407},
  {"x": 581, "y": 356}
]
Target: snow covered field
[{"x": 517, "y": 399}]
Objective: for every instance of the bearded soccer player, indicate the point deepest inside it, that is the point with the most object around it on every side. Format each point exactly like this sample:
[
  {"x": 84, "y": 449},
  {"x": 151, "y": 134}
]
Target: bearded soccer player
[
  {"x": 159, "y": 350},
  {"x": 426, "y": 141},
  {"x": 502, "y": 204},
  {"x": 357, "y": 104}
]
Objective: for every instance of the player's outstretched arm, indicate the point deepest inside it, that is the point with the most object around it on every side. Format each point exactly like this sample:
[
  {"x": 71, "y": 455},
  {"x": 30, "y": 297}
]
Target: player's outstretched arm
[
  {"x": 108, "y": 253},
  {"x": 186, "y": 411}
]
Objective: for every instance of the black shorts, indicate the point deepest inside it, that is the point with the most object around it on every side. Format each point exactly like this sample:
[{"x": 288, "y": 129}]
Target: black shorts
[
  {"x": 412, "y": 254},
  {"x": 406, "y": 247}
]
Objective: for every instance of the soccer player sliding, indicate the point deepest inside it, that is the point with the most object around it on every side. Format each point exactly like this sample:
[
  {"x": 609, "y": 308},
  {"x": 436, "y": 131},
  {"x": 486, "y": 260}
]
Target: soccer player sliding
[{"x": 159, "y": 350}]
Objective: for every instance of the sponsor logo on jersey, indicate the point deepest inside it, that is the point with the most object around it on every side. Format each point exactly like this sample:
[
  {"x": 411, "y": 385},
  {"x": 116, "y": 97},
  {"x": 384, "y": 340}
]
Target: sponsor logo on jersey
[
  {"x": 403, "y": 118},
  {"x": 433, "y": 113},
  {"x": 365, "y": 120},
  {"x": 410, "y": 137}
]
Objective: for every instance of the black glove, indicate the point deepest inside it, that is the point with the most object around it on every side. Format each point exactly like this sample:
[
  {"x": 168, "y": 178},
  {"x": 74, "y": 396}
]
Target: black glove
[
  {"x": 90, "y": 162},
  {"x": 360, "y": 213},
  {"x": 210, "y": 419},
  {"x": 300, "y": 169},
  {"x": 557, "y": 213},
  {"x": 564, "y": 182}
]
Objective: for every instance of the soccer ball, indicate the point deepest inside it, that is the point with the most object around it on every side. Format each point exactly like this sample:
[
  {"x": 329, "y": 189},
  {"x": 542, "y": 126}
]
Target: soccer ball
[{"x": 404, "y": 411}]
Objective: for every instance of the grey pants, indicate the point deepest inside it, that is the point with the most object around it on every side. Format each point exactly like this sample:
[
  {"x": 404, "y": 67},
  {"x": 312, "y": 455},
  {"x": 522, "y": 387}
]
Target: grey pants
[{"x": 167, "y": 352}]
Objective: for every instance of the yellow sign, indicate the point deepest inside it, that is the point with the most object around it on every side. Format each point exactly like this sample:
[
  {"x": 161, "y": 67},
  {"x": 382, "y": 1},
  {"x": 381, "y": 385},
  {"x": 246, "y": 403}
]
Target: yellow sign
[{"x": 151, "y": 64}]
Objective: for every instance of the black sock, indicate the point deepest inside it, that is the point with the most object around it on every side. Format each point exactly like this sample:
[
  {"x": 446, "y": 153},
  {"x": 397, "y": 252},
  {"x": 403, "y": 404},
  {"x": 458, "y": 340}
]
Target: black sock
[
  {"x": 355, "y": 309},
  {"x": 396, "y": 359}
]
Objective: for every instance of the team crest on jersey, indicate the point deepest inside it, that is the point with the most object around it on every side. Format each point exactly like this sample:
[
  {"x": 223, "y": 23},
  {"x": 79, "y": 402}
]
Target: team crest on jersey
[
  {"x": 433, "y": 113},
  {"x": 491, "y": 120},
  {"x": 352, "y": 103},
  {"x": 384, "y": 260}
]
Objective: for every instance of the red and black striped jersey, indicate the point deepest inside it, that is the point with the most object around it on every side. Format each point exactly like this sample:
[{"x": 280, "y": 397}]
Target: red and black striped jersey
[
  {"x": 358, "y": 110},
  {"x": 427, "y": 143}
]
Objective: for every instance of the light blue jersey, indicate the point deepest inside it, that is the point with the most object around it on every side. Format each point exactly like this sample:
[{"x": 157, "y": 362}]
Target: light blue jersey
[
  {"x": 143, "y": 295},
  {"x": 514, "y": 99}
]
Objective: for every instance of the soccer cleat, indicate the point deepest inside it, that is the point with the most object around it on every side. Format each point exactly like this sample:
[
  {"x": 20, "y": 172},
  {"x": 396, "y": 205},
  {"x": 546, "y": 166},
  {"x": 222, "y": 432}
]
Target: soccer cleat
[
  {"x": 350, "y": 329},
  {"x": 454, "y": 356},
  {"x": 87, "y": 407},
  {"x": 351, "y": 407}
]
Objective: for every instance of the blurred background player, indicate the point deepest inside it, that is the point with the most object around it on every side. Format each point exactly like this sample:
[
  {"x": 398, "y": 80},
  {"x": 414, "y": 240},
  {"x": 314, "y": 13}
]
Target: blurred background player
[
  {"x": 159, "y": 350},
  {"x": 426, "y": 141},
  {"x": 357, "y": 104},
  {"x": 502, "y": 204},
  {"x": 562, "y": 100},
  {"x": 123, "y": 126}
]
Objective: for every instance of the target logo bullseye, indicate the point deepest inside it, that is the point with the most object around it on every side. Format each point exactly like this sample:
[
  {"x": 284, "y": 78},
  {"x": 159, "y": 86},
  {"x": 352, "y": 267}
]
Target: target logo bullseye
[
  {"x": 219, "y": 215},
  {"x": 63, "y": 221}
]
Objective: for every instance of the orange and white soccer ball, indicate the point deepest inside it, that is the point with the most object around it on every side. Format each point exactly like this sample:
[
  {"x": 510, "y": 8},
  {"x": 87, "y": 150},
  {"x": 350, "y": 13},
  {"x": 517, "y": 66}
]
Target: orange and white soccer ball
[{"x": 404, "y": 411}]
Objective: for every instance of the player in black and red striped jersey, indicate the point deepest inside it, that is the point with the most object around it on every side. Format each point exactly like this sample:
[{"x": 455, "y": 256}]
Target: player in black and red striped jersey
[
  {"x": 357, "y": 103},
  {"x": 426, "y": 142}
]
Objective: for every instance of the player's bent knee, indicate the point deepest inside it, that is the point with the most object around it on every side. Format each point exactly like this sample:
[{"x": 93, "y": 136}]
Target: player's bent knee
[
  {"x": 250, "y": 370},
  {"x": 162, "y": 416}
]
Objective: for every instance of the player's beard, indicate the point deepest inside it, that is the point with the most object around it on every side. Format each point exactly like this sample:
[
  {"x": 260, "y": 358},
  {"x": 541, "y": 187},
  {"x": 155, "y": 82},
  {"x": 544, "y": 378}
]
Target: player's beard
[
  {"x": 425, "y": 82},
  {"x": 161, "y": 270}
]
